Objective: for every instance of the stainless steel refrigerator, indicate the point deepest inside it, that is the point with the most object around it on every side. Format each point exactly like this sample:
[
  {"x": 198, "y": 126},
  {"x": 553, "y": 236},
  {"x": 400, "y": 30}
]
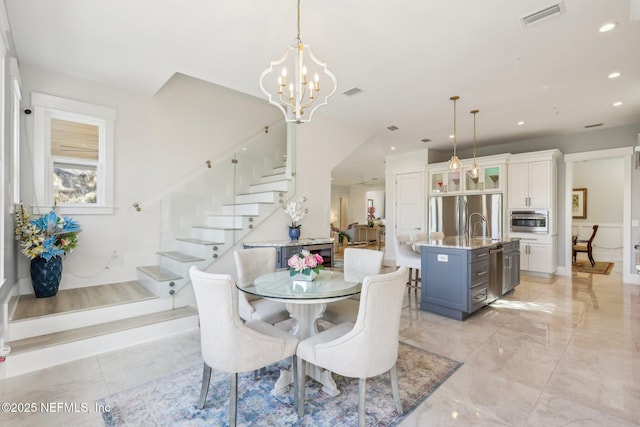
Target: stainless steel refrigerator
[{"x": 481, "y": 214}]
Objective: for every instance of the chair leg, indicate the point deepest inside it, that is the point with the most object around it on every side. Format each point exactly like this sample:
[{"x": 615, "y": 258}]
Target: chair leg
[
  {"x": 294, "y": 367},
  {"x": 591, "y": 260},
  {"x": 233, "y": 399},
  {"x": 302, "y": 377},
  {"x": 395, "y": 390},
  {"x": 362, "y": 384},
  {"x": 206, "y": 379}
]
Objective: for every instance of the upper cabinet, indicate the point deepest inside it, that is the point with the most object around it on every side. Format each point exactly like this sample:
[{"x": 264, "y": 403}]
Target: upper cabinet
[
  {"x": 490, "y": 178},
  {"x": 532, "y": 180}
]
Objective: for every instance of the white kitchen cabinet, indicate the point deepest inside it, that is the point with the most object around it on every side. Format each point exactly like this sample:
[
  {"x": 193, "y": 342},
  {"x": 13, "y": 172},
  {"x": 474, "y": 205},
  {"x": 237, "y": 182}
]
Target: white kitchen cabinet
[
  {"x": 531, "y": 185},
  {"x": 489, "y": 179},
  {"x": 538, "y": 254}
]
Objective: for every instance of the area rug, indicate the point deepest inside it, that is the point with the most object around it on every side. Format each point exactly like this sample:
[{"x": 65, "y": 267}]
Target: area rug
[
  {"x": 584, "y": 266},
  {"x": 171, "y": 400}
]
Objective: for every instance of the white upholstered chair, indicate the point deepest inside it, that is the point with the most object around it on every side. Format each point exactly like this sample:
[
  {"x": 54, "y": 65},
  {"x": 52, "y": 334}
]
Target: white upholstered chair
[
  {"x": 358, "y": 264},
  {"x": 251, "y": 263},
  {"x": 228, "y": 344},
  {"x": 407, "y": 257},
  {"x": 365, "y": 349}
]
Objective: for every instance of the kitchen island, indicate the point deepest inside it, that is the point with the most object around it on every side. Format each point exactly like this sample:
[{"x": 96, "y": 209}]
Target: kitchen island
[{"x": 461, "y": 275}]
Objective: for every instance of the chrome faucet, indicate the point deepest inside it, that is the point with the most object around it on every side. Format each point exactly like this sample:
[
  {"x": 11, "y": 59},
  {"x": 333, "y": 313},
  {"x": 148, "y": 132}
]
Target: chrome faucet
[{"x": 469, "y": 229}]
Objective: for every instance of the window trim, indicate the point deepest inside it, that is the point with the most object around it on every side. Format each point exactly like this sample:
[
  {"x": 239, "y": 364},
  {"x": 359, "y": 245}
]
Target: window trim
[{"x": 46, "y": 107}]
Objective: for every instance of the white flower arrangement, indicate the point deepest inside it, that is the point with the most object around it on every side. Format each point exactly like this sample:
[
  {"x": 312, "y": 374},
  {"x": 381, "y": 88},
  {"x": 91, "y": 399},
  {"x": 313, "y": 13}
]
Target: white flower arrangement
[{"x": 296, "y": 211}]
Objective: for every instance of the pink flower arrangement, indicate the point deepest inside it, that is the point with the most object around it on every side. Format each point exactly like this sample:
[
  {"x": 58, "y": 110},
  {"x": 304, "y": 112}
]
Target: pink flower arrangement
[{"x": 305, "y": 263}]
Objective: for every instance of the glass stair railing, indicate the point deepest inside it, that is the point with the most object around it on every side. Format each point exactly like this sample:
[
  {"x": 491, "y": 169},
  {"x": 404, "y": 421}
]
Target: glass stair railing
[{"x": 210, "y": 210}]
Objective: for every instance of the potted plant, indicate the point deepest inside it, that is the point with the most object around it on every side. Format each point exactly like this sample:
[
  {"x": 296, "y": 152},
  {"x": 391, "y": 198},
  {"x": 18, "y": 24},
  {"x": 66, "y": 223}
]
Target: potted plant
[
  {"x": 46, "y": 240},
  {"x": 305, "y": 265},
  {"x": 296, "y": 212}
]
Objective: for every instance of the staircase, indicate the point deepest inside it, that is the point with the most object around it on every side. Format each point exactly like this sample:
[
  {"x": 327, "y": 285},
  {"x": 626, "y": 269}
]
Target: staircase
[
  {"x": 124, "y": 314},
  {"x": 219, "y": 232}
]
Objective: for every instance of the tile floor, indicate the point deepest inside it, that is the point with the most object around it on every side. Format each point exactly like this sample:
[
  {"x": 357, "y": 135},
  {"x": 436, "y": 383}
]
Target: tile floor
[{"x": 555, "y": 352}]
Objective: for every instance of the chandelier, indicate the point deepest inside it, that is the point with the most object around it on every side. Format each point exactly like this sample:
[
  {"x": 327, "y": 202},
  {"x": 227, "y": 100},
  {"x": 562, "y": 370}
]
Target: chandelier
[
  {"x": 299, "y": 97},
  {"x": 454, "y": 164},
  {"x": 474, "y": 171}
]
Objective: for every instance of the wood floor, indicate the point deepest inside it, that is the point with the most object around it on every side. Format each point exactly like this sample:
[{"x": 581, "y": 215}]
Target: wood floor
[{"x": 81, "y": 299}]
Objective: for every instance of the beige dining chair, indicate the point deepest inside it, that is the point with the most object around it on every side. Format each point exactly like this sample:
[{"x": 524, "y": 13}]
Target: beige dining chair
[
  {"x": 228, "y": 344},
  {"x": 407, "y": 257},
  {"x": 358, "y": 264},
  {"x": 365, "y": 349},
  {"x": 251, "y": 263}
]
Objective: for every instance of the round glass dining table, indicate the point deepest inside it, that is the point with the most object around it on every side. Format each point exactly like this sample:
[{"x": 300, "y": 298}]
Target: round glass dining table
[{"x": 305, "y": 301}]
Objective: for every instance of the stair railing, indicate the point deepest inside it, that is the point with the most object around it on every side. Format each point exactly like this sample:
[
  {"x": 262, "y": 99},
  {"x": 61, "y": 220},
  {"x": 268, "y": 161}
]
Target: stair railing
[{"x": 208, "y": 210}]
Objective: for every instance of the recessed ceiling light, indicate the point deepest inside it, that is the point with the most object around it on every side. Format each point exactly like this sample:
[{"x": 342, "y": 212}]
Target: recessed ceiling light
[
  {"x": 617, "y": 103},
  {"x": 520, "y": 123},
  {"x": 615, "y": 75},
  {"x": 451, "y": 136},
  {"x": 244, "y": 148},
  {"x": 608, "y": 27},
  {"x": 392, "y": 148}
]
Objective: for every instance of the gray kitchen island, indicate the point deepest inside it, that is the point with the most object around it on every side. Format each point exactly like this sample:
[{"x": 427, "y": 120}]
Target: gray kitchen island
[{"x": 459, "y": 276}]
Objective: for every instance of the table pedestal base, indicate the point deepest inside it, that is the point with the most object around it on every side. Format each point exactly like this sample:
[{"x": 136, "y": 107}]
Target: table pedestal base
[{"x": 306, "y": 316}]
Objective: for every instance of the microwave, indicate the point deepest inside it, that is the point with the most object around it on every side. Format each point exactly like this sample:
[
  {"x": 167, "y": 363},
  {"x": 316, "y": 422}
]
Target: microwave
[{"x": 532, "y": 221}]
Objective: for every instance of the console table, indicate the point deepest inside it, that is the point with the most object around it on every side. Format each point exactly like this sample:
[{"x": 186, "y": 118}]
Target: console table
[{"x": 287, "y": 248}]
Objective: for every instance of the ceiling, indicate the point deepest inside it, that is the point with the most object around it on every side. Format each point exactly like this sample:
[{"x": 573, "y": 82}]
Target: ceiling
[{"x": 408, "y": 57}]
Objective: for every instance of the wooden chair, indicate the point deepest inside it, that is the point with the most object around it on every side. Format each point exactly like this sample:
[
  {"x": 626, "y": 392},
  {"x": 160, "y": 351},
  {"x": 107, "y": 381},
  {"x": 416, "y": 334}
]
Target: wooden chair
[{"x": 585, "y": 246}]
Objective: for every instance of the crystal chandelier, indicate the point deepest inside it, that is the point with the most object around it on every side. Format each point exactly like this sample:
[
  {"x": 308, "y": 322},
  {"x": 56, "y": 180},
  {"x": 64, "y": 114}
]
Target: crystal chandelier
[
  {"x": 474, "y": 171},
  {"x": 454, "y": 164},
  {"x": 300, "y": 97}
]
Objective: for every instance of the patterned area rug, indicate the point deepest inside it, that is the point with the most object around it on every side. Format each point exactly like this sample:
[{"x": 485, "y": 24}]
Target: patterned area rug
[
  {"x": 584, "y": 266},
  {"x": 171, "y": 400}
]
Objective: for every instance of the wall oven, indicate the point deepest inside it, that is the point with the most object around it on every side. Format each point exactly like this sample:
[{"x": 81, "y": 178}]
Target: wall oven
[{"x": 531, "y": 221}]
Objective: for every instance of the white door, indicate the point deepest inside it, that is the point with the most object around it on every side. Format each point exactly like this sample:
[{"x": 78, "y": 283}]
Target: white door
[{"x": 410, "y": 202}]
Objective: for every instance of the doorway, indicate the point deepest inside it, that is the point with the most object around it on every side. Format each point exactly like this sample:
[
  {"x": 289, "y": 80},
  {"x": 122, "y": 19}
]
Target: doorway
[{"x": 625, "y": 154}]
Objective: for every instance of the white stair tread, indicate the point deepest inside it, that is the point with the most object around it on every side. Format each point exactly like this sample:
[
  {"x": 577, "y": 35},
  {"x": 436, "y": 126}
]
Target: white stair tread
[
  {"x": 57, "y": 338},
  {"x": 199, "y": 241},
  {"x": 180, "y": 256},
  {"x": 158, "y": 273}
]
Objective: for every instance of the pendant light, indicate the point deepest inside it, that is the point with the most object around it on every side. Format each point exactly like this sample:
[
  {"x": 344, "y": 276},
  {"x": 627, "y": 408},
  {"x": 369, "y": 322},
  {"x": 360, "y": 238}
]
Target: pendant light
[
  {"x": 454, "y": 164},
  {"x": 474, "y": 172},
  {"x": 293, "y": 90}
]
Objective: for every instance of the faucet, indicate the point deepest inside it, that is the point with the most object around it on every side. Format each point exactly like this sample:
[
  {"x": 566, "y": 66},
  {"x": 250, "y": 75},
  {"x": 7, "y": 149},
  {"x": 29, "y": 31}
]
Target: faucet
[{"x": 469, "y": 229}]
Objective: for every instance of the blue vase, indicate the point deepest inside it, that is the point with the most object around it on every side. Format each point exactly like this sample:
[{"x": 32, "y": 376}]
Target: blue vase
[
  {"x": 45, "y": 276},
  {"x": 294, "y": 233}
]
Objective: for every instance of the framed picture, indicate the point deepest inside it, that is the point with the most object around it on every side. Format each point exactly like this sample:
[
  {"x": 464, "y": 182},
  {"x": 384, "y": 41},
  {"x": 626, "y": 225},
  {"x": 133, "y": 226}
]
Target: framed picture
[{"x": 579, "y": 203}]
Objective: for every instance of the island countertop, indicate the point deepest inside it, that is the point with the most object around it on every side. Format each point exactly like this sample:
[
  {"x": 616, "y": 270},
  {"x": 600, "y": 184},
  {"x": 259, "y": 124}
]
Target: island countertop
[{"x": 462, "y": 242}]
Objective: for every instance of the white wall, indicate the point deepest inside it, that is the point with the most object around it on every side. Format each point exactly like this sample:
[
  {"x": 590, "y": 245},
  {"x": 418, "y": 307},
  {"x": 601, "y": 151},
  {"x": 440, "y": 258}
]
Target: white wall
[
  {"x": 161, "y": 138},
  {"x": 604, "y": 182}
]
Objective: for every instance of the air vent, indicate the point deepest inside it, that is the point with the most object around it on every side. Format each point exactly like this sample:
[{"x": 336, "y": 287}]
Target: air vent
[
  {"x": 542, "y": 14},
  {"x": 352, "y": 91},
  {"x": 425, "y": 140},
  {"x": 593, "y": 125},
  {"x": 393, "y": 127}
]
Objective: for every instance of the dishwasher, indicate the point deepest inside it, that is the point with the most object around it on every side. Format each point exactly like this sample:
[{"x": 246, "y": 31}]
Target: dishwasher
[{"x": 495, "y": 273}]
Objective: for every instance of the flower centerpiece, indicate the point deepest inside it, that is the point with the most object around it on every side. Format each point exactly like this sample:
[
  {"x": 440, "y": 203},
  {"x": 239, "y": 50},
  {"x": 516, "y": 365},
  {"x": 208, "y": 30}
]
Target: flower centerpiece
[
  {"x": 45, "y": 240},
  {"x": 296, "y": 212},
  {"x": 305, "y": 265}
]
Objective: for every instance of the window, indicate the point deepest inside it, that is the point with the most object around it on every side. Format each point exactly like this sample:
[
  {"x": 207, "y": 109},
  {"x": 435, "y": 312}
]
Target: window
[{"x": 73, "y": 155}]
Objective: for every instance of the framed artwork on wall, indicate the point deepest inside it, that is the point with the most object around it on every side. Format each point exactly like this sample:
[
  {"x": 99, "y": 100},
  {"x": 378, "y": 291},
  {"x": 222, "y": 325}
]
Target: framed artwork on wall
[{"x": 579, "y": 203}]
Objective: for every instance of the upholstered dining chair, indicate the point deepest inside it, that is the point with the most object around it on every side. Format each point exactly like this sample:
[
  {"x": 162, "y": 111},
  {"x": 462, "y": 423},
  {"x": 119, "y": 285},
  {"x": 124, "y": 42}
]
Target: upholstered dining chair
[
  {"x": 407, "y": 257},
  {"x": 585, "y": 246},
  {"x": 358, "y": 264},
  {"x": 365, "y": 349},
  {"x": 251, "y": 263},
  {"x": 228, "y": 344}
]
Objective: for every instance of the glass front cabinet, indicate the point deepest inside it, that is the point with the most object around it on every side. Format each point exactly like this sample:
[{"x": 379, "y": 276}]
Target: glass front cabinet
[
  {"x": 489, "y": 179},
  {"x": 445, "y": 181}
]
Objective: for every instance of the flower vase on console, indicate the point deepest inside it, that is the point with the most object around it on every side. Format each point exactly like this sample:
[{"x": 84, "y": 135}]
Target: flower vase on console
[
  {"x": 294, "y": 233},
  {"x": 296, "y": 211}
]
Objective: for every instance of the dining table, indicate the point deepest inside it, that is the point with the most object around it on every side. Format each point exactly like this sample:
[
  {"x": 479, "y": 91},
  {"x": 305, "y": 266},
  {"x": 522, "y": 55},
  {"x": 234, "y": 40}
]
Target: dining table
[{"x": 305, "y": 301}]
